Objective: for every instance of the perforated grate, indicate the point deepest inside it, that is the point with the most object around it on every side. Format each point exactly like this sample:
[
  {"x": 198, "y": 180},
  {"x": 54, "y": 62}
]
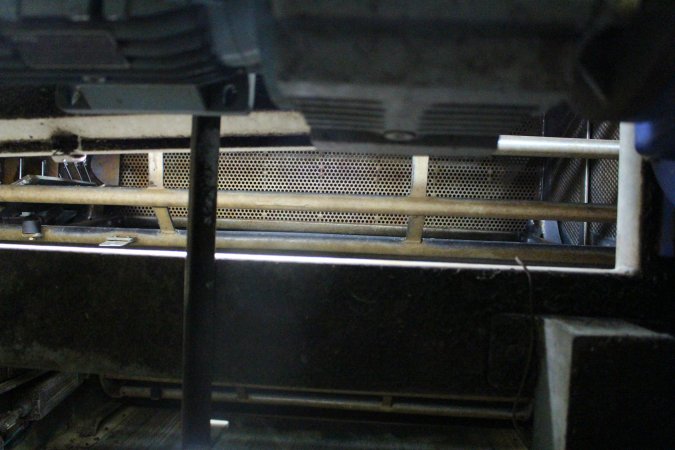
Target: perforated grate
[
  {"x": 134, "y": 173},
  {"x": 493, "y": 178},
  {"x": 353, "y": 174},
  {"x": 134, "y": 170},
  {"x": 567, "y": 185},
  {"x": 302, "y": 172}
]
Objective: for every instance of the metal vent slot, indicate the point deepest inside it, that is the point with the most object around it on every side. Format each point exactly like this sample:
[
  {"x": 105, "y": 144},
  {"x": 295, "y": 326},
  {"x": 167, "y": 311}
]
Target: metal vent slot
[
  {"x": 343, "y": 114},
  {"x": 465, "y": 119}
]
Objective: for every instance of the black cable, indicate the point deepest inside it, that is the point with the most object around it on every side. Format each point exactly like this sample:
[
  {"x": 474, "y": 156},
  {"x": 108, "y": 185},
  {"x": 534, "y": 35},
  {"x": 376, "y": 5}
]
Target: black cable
[{"x": 530, "y": 355}]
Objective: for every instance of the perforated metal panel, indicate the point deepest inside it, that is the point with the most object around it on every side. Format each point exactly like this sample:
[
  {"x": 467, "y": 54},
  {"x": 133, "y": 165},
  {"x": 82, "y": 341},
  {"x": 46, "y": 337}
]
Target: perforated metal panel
[
  {"x": 302, "y": 172},
  {"x": 306, "y": 172},
  {"x": 604, "y": 190},
  {"x": 353, "y": 174},
  {"x": 495, "y": 178},
  {"x": 134, "y": 173},
  {"x": 565, "y": 183}
]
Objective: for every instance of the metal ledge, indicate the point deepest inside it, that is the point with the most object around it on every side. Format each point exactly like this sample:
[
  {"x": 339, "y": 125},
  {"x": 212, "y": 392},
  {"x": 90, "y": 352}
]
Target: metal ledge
[{"x": 430, "y": 249}]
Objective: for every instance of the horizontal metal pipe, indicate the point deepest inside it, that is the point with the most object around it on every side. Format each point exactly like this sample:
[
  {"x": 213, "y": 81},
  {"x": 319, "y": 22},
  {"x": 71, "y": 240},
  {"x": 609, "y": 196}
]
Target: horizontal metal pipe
[
  {"x": 291, "y": 242},
  {"x": 407, "y": 206},
  {"x": 557, "y": 147},
  {"x": 332, "y": 402},
  {"x": 507, "y": 145}
]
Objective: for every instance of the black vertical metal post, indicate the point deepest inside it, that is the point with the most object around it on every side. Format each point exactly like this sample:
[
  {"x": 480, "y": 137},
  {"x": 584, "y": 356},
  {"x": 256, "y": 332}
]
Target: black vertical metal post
[{"x": 200, "y": 284}]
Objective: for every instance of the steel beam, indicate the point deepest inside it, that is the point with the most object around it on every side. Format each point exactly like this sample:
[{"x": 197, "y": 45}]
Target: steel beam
[{"x": 200, "y": 284}]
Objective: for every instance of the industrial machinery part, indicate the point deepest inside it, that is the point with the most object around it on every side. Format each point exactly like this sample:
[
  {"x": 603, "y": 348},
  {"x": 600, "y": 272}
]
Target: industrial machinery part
[
  {"x": 21, "y": 378},
  {"x": 383, "y": 77},
  {"x": 529, "y": 198},
  {"x": 494, "y": 409},
  {"x": 128, "y": 55},
  {"x": 38, "y": 401}
]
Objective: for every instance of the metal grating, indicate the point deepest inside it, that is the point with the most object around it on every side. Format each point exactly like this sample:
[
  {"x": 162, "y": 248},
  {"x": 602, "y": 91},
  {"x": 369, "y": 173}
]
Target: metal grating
[
  {"x": 604, "y": 190},
  {"x": 492, "y": 178},
  {"x": 566, "y": 178},
  {"x": 565, "y": 183},
  {"x": 353, "y": 174},
  {"x": 301, "y": 172},
  {"x": 134, "y": 173}
]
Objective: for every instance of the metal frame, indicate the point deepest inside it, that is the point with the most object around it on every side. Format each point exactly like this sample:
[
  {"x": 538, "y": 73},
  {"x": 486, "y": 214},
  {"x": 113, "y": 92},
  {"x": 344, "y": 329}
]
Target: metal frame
[
  {"x": 627, "y": 213},
  {"x": 629, "y": 204}
]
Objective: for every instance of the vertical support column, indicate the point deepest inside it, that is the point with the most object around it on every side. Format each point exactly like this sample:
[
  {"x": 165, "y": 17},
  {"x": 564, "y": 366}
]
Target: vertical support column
[
  {"x": 200, "y": 284},
  {"x": 629, "y": 204},
  {"x": 420, "y": 174},
  {"x": 156, "y": 180}
]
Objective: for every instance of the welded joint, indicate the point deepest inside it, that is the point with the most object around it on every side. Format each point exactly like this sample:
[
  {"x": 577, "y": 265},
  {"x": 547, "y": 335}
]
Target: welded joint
[{"x": 420, "y": 177}]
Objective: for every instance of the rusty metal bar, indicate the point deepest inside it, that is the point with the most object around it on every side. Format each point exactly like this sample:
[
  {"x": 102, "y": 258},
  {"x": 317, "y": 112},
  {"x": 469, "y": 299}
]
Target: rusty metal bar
[
  {"x": 371, "y": 246},
  {"x": 407, "y": 206}
]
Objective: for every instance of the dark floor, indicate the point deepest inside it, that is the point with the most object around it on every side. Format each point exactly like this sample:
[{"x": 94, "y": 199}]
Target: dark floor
[{"x": 144, "y": 427}]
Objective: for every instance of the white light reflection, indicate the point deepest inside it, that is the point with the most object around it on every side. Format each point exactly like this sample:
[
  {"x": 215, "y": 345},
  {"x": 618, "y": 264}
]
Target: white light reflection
[{"x": 330, "y": 260}]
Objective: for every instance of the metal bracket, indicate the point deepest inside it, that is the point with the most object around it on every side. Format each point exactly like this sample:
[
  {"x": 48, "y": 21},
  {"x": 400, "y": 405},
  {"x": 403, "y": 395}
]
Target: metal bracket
[
  {"x": 156, "y": 180},
  {"x": 231, "y": 96},
  {"x": 420, "y": 172}
]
